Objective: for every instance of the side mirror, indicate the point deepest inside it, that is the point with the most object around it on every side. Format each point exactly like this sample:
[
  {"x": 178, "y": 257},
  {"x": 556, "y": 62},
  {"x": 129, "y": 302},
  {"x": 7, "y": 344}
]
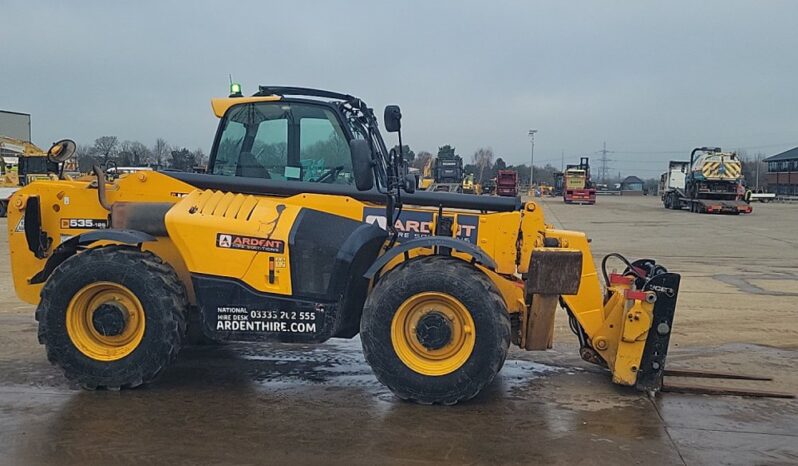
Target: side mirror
[
  {"x": 410, "y": 184},
  {"x": 362, "y": 164},
  {"x": 61, "y": 151},
  {"x": 393, "y": 118}
]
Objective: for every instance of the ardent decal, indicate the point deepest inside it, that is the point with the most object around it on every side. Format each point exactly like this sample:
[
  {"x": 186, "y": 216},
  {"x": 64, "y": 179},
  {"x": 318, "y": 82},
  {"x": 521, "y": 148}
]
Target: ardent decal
[
  {"x": 414, "y": 224},
  {"x": 249, "y": 243}
]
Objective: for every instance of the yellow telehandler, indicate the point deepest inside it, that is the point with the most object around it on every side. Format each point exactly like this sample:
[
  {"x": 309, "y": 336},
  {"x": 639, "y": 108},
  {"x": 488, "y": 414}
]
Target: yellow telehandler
[{"x": 305, "y": 228}]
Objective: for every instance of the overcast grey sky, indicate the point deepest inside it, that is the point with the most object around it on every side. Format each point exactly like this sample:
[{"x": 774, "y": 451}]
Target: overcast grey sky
[{"x": 647, "y": 77}]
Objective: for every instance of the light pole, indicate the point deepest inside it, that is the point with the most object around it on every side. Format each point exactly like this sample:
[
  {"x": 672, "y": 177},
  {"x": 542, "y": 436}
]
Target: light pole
[{"x": 532, "y": 156}]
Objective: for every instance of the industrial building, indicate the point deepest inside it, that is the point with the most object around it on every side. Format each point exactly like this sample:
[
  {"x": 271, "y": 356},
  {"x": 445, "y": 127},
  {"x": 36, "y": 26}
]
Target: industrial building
[
  {"x": 632, "y": 186},
  {"x": 783, "y": 173},
  {"x": 15, "y": 125}
]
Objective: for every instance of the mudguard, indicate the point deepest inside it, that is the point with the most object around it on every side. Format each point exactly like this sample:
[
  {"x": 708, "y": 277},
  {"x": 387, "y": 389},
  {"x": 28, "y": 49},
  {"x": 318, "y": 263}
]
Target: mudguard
[
  {"x": 476, "y": 252},
  {"x": 71, "y": 246}
]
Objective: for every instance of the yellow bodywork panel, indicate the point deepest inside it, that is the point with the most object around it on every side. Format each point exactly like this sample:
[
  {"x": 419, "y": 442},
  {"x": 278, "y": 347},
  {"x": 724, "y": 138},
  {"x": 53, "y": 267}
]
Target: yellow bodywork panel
[
  {"x": 532, "y": 233},
  {"x": 235, "y": 236},
  {"x": 70, "y": 208},
  {"x": 496, "y": 232},
  {"x": 622, "y": 337}
]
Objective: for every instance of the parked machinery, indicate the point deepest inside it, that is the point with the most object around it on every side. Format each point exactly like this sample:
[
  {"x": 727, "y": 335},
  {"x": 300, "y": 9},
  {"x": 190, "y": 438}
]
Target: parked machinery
[
  {"x": 709, "y": 183},
  {"x": 448, "y": 173},
  {"x": 470, "y": 185},
  {"x": 21, "y": 163},
  {"x": 507, "y": 183},
  {"x": 426, "y": 179},
  {"x": 577, "y": 185}
]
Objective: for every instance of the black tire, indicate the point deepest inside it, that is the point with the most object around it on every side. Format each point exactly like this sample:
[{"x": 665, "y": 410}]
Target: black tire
[
  {"x": 3, "y": 208},
  {"x": 162, "y": 297},
  {"x": 195, "y": 336},
  {"x": 675, "y": 202},
  {"x": 475, "y": 291}
]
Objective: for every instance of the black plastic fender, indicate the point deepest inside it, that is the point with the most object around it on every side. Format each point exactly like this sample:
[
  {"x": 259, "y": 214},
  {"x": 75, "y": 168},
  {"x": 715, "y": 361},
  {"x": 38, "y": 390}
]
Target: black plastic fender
[
  {"x": 71, "y": 246},
  {"x": 475, "y": 252}
]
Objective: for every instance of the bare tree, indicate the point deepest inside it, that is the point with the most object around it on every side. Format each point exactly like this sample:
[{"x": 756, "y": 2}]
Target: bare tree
[
  {"x": 105, "y": 147},
  {"x": 84, "y": 155},
  {"x": 483, "y": 159},
  {"x": 161, "y": 152},
  {"x": 421, "y": 159},
  {"x": 133, "y": 153},
  {"x": 181, "y": 159},
  {"x": 754, "y": 169},
  {"x": 199, "y": 157}
]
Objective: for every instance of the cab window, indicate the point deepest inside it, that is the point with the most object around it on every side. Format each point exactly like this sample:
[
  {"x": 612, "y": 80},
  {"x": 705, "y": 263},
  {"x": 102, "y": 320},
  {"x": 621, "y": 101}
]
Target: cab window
[{"x": 284, "y": 141}]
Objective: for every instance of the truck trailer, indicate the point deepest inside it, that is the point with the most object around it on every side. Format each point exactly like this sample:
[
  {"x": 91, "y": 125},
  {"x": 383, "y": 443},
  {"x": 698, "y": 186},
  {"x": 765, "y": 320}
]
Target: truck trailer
[
  {"x": 710, "y": 183},
  {"x": 507, "y": 183}
]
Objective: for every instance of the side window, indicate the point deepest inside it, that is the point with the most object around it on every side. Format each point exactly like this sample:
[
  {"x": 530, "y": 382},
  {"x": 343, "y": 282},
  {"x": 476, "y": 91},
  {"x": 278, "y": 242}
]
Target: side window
[
  {"x": 323, "y": 151},
  {"x": 269, "y": 151},
  {"x": 229, "y": 148}
]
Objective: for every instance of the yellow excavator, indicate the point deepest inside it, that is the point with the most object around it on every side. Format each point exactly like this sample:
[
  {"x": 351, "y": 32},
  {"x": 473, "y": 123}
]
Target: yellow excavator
[
  {"x": 470, "y": 186},
  {"x": 426, "y": 176},
  {"x": 301, "y": 243}
]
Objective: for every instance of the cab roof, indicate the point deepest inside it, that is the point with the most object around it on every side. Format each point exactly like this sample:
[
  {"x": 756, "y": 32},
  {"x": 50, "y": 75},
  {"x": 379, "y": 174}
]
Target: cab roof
[{"x": 276, "y": 93}]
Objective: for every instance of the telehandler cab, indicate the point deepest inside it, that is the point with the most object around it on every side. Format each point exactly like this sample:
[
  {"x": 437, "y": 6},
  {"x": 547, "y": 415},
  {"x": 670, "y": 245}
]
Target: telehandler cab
[{"x": 305, "y": 228}]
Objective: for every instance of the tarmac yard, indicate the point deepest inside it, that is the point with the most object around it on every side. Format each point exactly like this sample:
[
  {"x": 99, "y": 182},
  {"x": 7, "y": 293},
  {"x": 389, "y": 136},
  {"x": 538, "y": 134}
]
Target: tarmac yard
[{"x": 274, "y": 403}]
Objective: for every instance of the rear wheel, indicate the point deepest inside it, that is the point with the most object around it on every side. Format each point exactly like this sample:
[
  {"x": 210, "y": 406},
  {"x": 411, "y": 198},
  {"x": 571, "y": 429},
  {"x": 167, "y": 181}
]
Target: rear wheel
[
  {"x": 675, "y": 202},
  {"x": 112, "y": 317},
  {"x": 435, "y": 330}
]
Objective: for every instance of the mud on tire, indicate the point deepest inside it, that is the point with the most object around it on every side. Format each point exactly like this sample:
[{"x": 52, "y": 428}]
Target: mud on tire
[
  {"x": 470, "y": 287},
  {"x": 162, "y": 297}
]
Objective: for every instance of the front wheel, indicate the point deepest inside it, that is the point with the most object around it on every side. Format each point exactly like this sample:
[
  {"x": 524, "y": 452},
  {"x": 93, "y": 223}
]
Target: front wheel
[{"x": 435, "y": 330}]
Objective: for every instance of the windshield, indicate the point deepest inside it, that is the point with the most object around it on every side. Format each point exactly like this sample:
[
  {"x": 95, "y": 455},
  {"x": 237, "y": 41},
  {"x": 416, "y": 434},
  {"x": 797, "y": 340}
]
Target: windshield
[{"x": 284, "y": 141}]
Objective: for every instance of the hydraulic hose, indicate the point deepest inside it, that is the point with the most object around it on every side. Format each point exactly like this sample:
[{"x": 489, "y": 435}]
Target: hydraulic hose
[{"x": 623, "y": 259}]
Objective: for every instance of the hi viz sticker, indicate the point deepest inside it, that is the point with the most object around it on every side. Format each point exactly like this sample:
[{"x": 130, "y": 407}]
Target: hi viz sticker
[{"x": 249, "y": 243}]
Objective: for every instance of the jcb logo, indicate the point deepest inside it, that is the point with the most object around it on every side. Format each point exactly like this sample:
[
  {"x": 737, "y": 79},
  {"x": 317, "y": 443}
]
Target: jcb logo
[{"x": 669, "y": 292}]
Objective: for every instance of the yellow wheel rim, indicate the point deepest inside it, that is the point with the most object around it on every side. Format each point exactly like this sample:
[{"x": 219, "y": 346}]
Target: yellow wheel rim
[
  {"x": 127, "y": 319},
  {"x": 433, "y": 333}
]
